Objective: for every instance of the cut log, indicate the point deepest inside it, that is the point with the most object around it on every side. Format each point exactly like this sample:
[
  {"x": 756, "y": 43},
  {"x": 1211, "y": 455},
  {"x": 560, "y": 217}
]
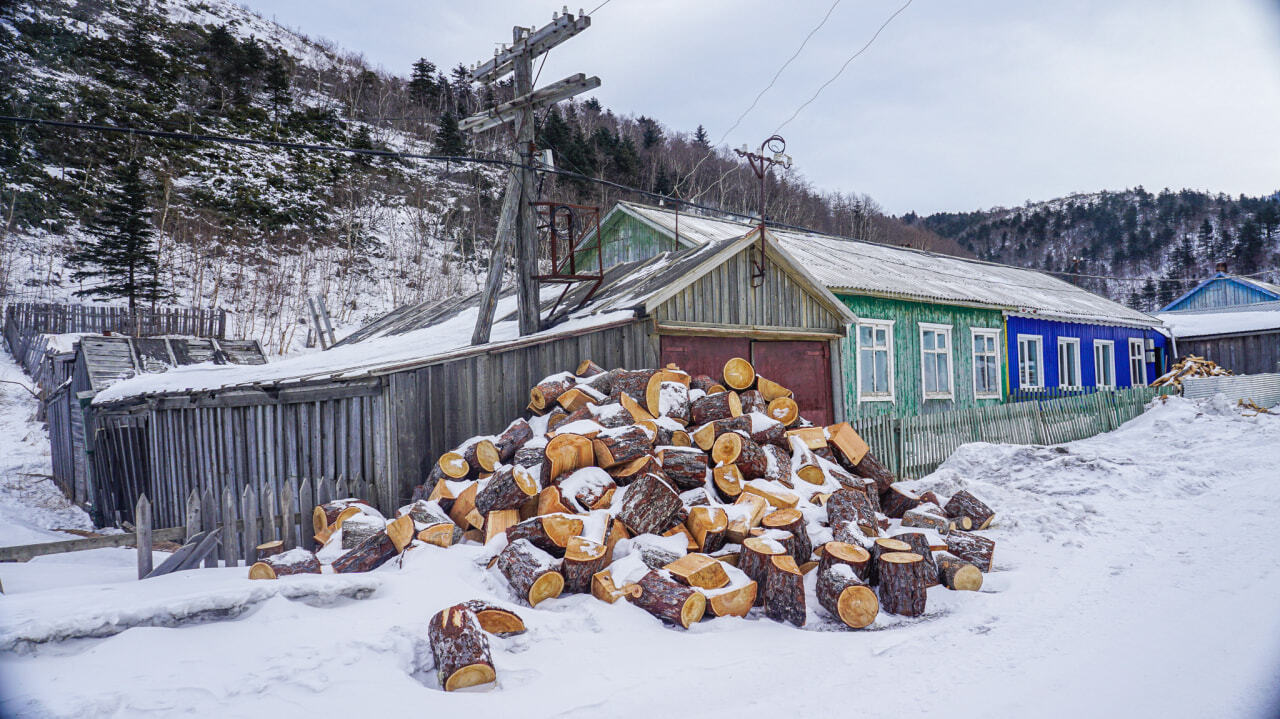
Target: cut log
[
  {"x": 545, "y": 393},
  {"x": 765, "y": 431},
  {"x": 734, "y": 448},
  {"x": 791, "y": 520},
  {"x": 956, "y": 574},
  {"x": 583, "y": 558},
  {"x": 687, "y": 469},
  {"x": 702, "y": 382},
  {"x": 649, "y": 505},
  {"x": 555, "y": 417},
  {"x": 530, "y": 571},
  {"x": 481, "y": 456},
  {"x": 896, "y": 501},
  {"x": 972, "y": 548},
  {"x": 872, "y": 468},
  {"x": 920, "y": 545},
  {"x": 512, "y": 439},
  {"x": 928, "y": 497},
  {"x": 964, "y": 504},
  {"x": 548, "y": 532},
  {"x": 577, "y": 400},
  {"x": 804, "y": 464},
  {"x": 587, "y": 368},
  {"x": 849, "y": 446},
  {"x": 722, "y": 405},
  {"x": 441, "y": 534},
  {"x": 771, "y": 390},
  {"x": 633, "y": 407},
  {"x": 463, "y": 512},
  {"x": 668, "y": 600},
  {"x": 621, "y": 446},
  {"x": 728, "y": 482},
  {"x": 587, "y": 489},
  {"x": 743, "y": 522},
  {"x": 460, "y": 648},
  {"x": 679, "y": 530},
  {"x": 739, "y": 374},
  {"x": 784, "y": 591},
  {"x": 495, "y": 619},
  {"x": 881, "y": 547},
  {"x": 846, "y": 597},
  {"x": 655, "y": 554},
  {"x": 784, "y": 410},
  {"x": 378, "y": 549},
  {"x": 509, "y": 487},
  {"x": 852, "y": 505},
  {"x": 779, "y": 498},
  {"x": 451, "y": 465},
  {"x": 332, "y": 513},
  {"x": 754, "y": 560},
  {"x": 705, "y": 436},
  {"x": 499, "y": 521},
  {"x": 433, "y": 523},
  {"x": 698, "y": 570},
  {"x": 634, "y": 383},
  {"x": 777, "y": 464},
  {"x": 601, "y": 383},
  {"x": 530, "y": 455},
  {"x": 924, "y": 518},
  {"x": 617, "y": 532},
  {"x": 665, "y": 397},
  {"x": 901, "y": 589},
  {"x": 752, "y": 401},
  {"x": 850, "y": 555},
  {"x": 813, "y": 437},
  {"x": 733, "y": 602},
  {"x": 550, "y": 502},
  {"x": 708, "y": 525},
  {"x": 604, "y": 589},
  {"x": 294, "y": 561},
  {"x": 625, "y": 474},
  {"x": 359, "y": 528},
  {"x": 565, "y": 453}
]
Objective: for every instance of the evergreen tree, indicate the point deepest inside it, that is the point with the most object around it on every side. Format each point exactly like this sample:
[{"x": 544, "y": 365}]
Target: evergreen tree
[
  {"x": 1148, "y": 295},
  {"x": 700, "y": 137},
  {"x": 121, "y": 253},
  {"x": 422, "y": 82},
  {"x": 1204, "y": 238},
  {"x": 650, "y": 132},
  {"x": 449, "y": 139}
]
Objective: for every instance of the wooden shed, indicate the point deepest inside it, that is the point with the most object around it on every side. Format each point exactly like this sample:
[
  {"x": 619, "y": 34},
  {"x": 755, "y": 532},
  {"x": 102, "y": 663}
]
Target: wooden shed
[
  {"x": 1232, "y": 320},
  {"x": 378, "y": 409}
]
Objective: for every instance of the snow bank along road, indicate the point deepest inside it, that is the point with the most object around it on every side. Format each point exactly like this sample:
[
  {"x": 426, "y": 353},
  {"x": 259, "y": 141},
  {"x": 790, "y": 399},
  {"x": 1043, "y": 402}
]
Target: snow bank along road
[{"x": 1134, "y": 577}]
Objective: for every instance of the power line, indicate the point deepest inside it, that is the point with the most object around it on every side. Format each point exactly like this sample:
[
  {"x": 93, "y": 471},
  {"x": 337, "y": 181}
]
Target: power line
[
  {"x": 845, "y": 65},
  {"x": 597, "y": 7}
]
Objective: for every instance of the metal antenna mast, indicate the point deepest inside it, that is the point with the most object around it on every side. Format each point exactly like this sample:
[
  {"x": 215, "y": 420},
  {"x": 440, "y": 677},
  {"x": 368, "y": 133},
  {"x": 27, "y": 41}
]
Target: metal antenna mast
[
  {"x": 517, "y": 222},
  {"x": 761, "y": 164}
]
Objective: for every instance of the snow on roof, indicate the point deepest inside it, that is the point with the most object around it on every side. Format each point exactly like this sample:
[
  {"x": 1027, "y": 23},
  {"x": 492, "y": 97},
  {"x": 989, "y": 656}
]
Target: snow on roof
[
  {"x": 1259, "y": 317},
  {"x": 1264, "y": 286},
  {"x": 855, "y": 266}
]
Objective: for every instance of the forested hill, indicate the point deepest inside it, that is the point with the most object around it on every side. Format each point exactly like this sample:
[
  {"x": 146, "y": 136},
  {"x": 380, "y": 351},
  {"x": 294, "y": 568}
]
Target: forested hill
[
  {"x": 256, "y": 230},
  {"x": 1169, "y": 238}
]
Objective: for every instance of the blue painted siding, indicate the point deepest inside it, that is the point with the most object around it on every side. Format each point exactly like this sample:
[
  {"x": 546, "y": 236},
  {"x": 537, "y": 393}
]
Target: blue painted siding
[
  {"x": 1220, "y": 292},
  {"x": 1049, "y": 331}
]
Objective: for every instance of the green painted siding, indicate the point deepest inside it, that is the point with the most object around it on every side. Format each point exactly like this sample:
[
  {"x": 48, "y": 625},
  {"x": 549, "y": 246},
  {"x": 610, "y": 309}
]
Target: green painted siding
[
  {"x": 908, "y": 389},
  {"x": 626, "y": 239}
]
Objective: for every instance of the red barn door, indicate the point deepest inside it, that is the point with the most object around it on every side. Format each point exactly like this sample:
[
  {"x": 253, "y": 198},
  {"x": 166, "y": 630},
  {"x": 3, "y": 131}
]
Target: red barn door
[
  {"x": 802, "y": 367},
  {"x": 704, "y": 355}
]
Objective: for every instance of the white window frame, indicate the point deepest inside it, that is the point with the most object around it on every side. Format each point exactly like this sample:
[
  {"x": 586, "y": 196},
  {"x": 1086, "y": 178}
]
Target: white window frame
[
  {"x": 886, "y": 325},
  {"x": 1074, "y": 344},
  {"x": 993, "y": 333},
  {"x": 951, "y": 360},
  {"x": 1140, "y": 379},
  {"x": 1039, "y": 342},
  {"x": 1097, "y": 344}
]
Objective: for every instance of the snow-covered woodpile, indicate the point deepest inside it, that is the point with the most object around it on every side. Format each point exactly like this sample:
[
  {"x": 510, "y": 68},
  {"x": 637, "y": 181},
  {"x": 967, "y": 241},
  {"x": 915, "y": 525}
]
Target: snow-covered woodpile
[
  {"x": 1190, "y": 366},
  {"x": 685, "y": 496}
]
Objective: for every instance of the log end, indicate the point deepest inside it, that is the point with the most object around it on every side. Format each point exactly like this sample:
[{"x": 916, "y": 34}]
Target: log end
[
  {"x": 967, "y": 579},
  {"x": 693, "y": 609},
  {"x": 470, "y": 676},
  {"x": 500, "y": 621},
  {"x": 735, "y": 603},
  {"x": 784, "y": 410},
  {"x": 453, "y": 465},
  {"x": 739, "y": 374},
  {"x": 548, "y": 586},
  {"x": 487, "y": 455},
  {"x": 858, "y": 606},
  {"x": 261, "y": 570}
]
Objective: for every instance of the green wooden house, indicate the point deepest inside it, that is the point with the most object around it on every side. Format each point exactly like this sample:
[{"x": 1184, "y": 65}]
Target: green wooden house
[{"x": 931, "y": 329}]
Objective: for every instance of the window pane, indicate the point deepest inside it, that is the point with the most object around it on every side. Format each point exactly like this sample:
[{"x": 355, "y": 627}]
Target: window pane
[
  {"x": 866, "y": 369},
  {"x": 944, "y": 374},
  {"x": 930, "y": 374},
  {"x": 882, "y": 371},
  {"x": 942, "y": 340},
  {"x": 864, "y": 335},
  {"x": 882, "y": 338},
  {"x": 928, "y": 340}
]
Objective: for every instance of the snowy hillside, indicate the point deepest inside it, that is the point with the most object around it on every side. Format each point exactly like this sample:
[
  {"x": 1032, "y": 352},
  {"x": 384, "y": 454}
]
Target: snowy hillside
[{"x": 1119, "y": 590}]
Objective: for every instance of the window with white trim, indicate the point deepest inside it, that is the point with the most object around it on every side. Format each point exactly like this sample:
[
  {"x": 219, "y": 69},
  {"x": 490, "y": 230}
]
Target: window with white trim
[
  {"x": 1030, "y": 362},
  {"x": 986, "y": 364},
  {"x": 1137, "y": 362},
  {"x": 1104, "y": 363},
  {"x": 1069, "y": 362},
  {"x": 935, "y": 360},
  {"x": 875, "y": 360}
]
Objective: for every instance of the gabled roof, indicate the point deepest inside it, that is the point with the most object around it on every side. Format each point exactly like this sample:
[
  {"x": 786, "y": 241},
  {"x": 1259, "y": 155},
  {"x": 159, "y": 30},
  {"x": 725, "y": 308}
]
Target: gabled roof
[
  {"x": 857, "y": 267},
  {"x": 1245, "y": 319},
  {"x": 1267, "y": 289}
]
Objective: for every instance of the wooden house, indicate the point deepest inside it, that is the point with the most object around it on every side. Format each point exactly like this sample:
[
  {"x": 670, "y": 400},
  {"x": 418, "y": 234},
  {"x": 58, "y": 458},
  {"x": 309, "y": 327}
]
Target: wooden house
[
  {"x": 380, "y": 407},
  {"x": 936, "y": 332},
  {"x": 1232, "y": 320}
]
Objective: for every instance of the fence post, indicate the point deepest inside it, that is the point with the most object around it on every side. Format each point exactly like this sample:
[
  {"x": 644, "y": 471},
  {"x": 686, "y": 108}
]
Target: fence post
[
  {"x": 142, "y": 522},
  {"x": 287, "y": 525},
  {"x": 249, "y": 510},
  {"x": 209, "y": 520},
  {"x": 230, "y": 537},
  {"x": 193, "y": 515},
  {"x": 305, "y": 500}
]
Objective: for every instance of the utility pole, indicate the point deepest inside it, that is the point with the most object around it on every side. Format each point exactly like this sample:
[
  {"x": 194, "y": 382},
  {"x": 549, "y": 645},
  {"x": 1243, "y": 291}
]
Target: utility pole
[
  {"x": 761, "y": 164},
  {"x": 517, "y": 223}
]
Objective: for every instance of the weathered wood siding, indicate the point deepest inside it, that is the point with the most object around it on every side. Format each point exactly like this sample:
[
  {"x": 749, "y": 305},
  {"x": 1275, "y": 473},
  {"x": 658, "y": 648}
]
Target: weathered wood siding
[
  {"x": 1221, "y": 292},
  {"x": 908, "y": 388},
  {"x": 626, "y": 239},
  {"x": 725, "y": 298},
  {"x": 1255, "y": 353}
]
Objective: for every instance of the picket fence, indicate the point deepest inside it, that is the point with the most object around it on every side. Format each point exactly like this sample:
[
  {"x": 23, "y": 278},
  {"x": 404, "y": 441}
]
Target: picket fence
[
  {"x": 24, "y": 321},
  {"x": 913, "y": 446}
]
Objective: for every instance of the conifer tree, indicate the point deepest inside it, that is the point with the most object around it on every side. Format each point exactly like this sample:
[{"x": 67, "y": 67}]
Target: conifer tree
[
  {"x": 449, "y": 139},
  {"x": 121, "y": 253},
  {"x": 422, "y": 81},
  {"x": 700, "y": 137}
]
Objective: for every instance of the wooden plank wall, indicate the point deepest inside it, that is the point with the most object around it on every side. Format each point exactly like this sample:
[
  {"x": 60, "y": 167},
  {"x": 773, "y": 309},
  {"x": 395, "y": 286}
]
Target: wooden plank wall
[
  {"x": 60, "y": 318},
  {"x": 1243, "y": 354}
]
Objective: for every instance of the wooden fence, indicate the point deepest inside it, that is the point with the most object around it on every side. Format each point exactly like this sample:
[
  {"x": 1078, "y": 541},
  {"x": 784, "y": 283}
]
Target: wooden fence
[
  {"x": 913, "y": 446},
  {"x": 26, "y": 320}
]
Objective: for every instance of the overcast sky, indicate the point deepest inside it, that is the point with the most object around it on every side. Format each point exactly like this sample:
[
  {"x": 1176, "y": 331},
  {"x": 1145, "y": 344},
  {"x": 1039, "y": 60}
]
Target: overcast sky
[{"x": 957, "y": 105}]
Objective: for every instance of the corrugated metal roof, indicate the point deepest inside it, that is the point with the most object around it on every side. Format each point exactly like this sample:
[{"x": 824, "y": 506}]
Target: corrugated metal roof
[{"x": 859, "y": 267}]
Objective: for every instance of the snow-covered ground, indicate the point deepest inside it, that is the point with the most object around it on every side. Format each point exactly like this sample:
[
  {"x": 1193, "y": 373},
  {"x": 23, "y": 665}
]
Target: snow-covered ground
[{"x": 1134, "y": 577}]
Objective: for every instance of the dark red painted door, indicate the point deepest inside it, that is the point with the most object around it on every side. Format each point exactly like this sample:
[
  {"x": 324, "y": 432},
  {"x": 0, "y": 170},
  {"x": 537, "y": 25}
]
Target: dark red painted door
[
  {"x": 704, "y": 355},
  {"x": 802, "y": 367}
]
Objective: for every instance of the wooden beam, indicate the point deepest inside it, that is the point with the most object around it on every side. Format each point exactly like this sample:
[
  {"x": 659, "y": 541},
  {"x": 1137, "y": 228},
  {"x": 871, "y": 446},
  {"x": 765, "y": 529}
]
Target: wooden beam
[
  {"x": 754, "y": 331},
  {"x": 536, "y": 100},
  {"x": 532, "y": 44}
]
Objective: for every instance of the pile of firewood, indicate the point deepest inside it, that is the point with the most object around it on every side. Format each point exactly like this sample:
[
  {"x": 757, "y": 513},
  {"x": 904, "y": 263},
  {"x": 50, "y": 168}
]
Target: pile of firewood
[
  {"x": 1190, "y": 366},
  {"x": 682, "y": 495}
]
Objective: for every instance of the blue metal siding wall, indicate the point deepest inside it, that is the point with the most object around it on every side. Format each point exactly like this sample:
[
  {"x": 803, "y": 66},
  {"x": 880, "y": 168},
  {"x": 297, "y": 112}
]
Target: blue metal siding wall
[
  {"x": 1049, "y": 331},
  {"x": 1221, "y": 292}
]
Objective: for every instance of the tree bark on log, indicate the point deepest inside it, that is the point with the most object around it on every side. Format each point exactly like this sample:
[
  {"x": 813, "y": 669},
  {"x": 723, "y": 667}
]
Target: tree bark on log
[
  {"x": 925, "y": 519},
  {"x": 649, "y": 505},
  {"x": 586, "y": 368},
  {"x": 687, "y": 469},
  {"x": 850, "y": 555},
  {"x": 625, "y": 474},
  {"x": 460, "y": 648},
  {"x": 621, "y": 446},
  {"x": 295, "y": 561},
  {"x": 754, "y": 559},
  {"x": 804, "y": 464},
  {"x": 734, "y": 448},
  {"x": 722, "y": 405},
  {"x": 784, "y": 591},
  {"x": 583, "y": 558},
  {"x": 769, "y": 432},
  {"x": 956, "y": 574},
  {"x": 902, "y": 589},
  {"x": 896, "y": 501},
  {"x": 359, "y": 528},
  {"x": 792, "y": 521},
  {"x": 708, "y": 526},
  {"x": 481, "y": 456},
  {"x": 777, "y": 464},
  {"x": 964, "y": 504},
  {"x": 920, "y": 545},
  {"x": 846, "y": 597},
  {"x": 669, "y": 600},
  {"x": 852, "y": 505},
  {"x": 634, "y": 383},
  {"x": 972, "y": 548},
  {"x": 702, "y": 382},
  {"x": 378, "y": 549},
  {"x": 529, "y": 457},
  {"x": 531, "y": 572},
  {"x": 880, "y": 548},
  {"x": 666, "y": 398},
  {"x": 752, "y": 401},
  {"x": 548, "y": 532},
  {"x": 544, "y": 394},
  {"x": 508, "y": 488},
  {"x": 495, "y": 619},
  {"x": 872, "y": 468},
  {"x": 705, "y": 436},
  {"x": 328, "y": 514}
]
